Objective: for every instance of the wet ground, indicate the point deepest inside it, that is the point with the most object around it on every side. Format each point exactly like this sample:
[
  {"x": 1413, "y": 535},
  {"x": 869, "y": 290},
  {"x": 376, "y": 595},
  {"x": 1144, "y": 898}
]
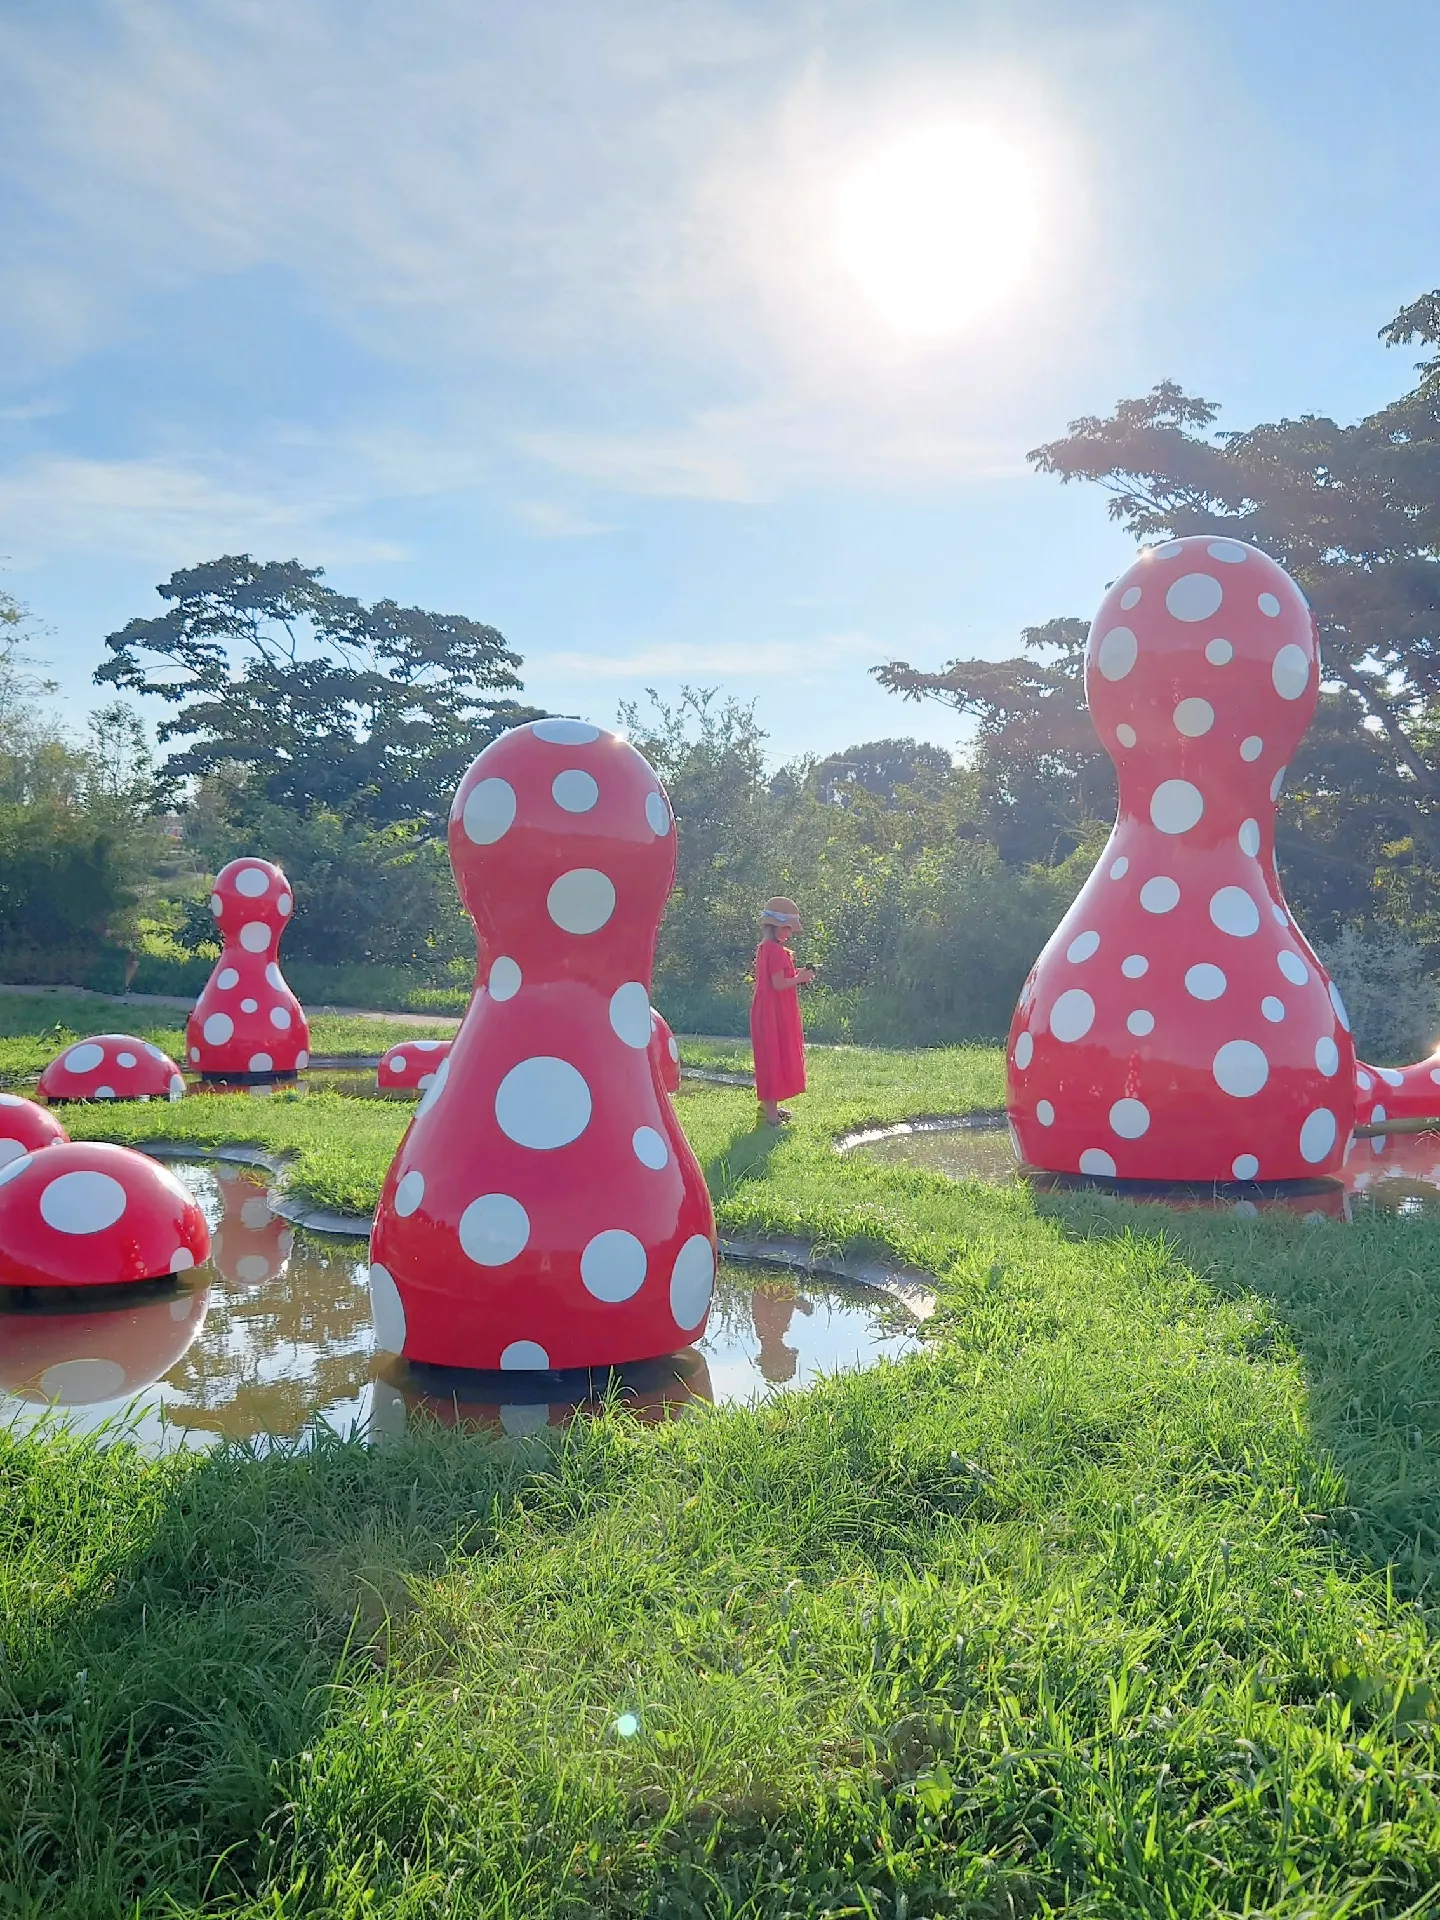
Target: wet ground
[
  {"x": 1394, "y": 1173},
  {"x": 274, "y": 1333}
]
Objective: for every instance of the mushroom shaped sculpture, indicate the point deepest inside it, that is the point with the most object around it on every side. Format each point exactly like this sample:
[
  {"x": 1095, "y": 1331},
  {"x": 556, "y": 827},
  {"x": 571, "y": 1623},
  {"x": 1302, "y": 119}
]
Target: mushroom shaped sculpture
[
  {"x": 109, "y": 1353},
  {"x": 1397, "y": 1093},
  {"x": 410, "y": 1065},
  {"x": 112, "y": 1066},
  {"x": 85, "y": 1214},
  {"x": 652, "y": 1393},
  {"x": 25, "y": 1128},
  {"x": 251, "y": 1243},
  {"x": 247, "y": 1024},
  {"x": 664, "y": 1052},
  {"x": 544, "y": 1209}
]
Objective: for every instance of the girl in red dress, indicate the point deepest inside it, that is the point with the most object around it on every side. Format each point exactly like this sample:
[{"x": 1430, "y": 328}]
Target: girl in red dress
[{"x": 775, "y": 1036}]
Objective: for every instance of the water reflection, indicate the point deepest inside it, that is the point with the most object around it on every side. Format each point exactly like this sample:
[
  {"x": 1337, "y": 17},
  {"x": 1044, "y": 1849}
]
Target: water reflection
[{"x": 274, "y": 1332}]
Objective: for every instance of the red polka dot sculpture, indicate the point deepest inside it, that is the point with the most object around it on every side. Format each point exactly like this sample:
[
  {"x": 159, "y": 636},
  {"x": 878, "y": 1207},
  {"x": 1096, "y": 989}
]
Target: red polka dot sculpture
[
  {"x": 545, "y": 1209},
  {"x": 665, "y": 1052},
  {"x": 251, "y": 1244},
  {"x": 84, "y": 1214},
  {"x": 112, "y": 1066},
  {"x": 410, "y": 1065},
  {"x": 1178, "y": 1027},
  {"x": 247, "y": 1023},
  {"x": 25, "y": 1128},
  {"x": 1398, "y": 1093}
]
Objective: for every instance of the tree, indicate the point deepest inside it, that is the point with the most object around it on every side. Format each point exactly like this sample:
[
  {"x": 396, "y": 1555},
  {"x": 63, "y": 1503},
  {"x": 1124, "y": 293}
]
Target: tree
[
  {"x": 370, "y": 713},
  {"x": 880, "y": 767}
]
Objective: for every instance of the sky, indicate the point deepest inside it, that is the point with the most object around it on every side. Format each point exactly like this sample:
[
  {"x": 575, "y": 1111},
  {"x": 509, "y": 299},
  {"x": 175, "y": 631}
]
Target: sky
[{"x": 548, "y": 314}]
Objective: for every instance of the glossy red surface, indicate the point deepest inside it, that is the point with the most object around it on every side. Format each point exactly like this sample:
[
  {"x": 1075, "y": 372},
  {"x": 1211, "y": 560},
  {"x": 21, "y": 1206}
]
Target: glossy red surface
[
  {"x": 247, "y": 1021},
  {"x": 76, "y": 1359},
  {"x": 111, "y": 1066},
  {"x": 24, "y": 1127},
  {"x": 545, "y": 1209},
  {"x": 86, "y": 1214},
  {"x": 410, "y": 1065},
  {"x": 665, "y": 1052}
]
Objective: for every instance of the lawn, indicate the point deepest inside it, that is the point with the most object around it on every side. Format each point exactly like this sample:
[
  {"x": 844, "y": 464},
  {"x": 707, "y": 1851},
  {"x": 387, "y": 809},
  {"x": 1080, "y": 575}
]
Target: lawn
[{"x": 1116, "y": 1601}]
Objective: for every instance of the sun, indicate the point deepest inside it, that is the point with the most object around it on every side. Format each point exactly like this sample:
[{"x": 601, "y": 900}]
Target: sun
[{"x": 936, "y": 227}]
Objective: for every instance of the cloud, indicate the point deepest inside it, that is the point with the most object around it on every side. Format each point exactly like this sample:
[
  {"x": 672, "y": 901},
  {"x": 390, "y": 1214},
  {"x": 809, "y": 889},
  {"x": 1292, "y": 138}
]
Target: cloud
[
  {"x": 677, "y": 659},
  {"x": 554, "y": 522}
]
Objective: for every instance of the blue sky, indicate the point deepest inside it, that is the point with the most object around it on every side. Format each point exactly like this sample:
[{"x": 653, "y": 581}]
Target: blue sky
[{"x": 532, "y": 312}]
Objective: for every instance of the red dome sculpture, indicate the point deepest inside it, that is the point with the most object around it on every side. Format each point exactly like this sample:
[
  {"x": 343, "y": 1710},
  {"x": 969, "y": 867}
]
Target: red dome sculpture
[
  {"x": 545, "y": 1210},
  {"x": 410, "y": 1065},
  {"x": 1178, "y": 1026},
  {"x": 106, "y": 1353},
  {"x": 247, "y": 1023},
  {"x": 665, "y": 1052},
  {"x": 84, "y": 1214},
  {"x": 1397, "y": 1093},
  {"x": 25, "y": 1128},
  {"x": 112, "y": 1066}
]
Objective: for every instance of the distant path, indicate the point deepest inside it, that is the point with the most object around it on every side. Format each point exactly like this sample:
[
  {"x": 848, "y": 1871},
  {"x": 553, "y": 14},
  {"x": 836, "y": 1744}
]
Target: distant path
[{"x": 185, "y": 1002}]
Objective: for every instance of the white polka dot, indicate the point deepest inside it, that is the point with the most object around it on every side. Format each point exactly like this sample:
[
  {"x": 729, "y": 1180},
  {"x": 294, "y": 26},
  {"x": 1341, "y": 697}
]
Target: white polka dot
[
  {"x": 1244, "y": 1166},
  {"x": 1204, "y": 982},
  {"x": 575, "y": 790},
  {"x": 1130, "y": 598},
  {"x": 280, "y": 1017},
  {"x": 1434, "y": 1075},
  {"x": 1277, "y": 784},
  {"x": 1194, "y": 596},
  {"x": 565, "y": 733},
  {"x": 125, "y": 1060},
  {"x": 155, "y": 1053},
  {"x": 613, "y": 1265},
  {"x": 494, "y": 1229},
  {"x": 1317, "y": 1135},
  {"x": 1249, "y": 837},
  {"x": 397, "y": 1063},
  {"x": 9, "y": 1170},
  {"x": 218, "y": 1029},
  {"x": 1391, "y": 1076},
  {"x": 272, "y": 974},
  {"x": 181, "y": 1261},
  {"x": 255, "y": 936},
  {"x": 84, "y": 1058},
  {"x": 107, "y": 1093},
  {"x": 249, "y": 1006},
  {"x": 82, "y": 1202},
  {"x": 657, "y": 814},
  {"x": 543, "y": 1102},
  {"x": 1072, "y": 1015},
  {"x": 1125, "y": 734},
  {"x": 1339, "y": 1005},
  {"x": 11, "y": 1149},
  {"x": 1119, "y": 868},
  {"x": 630, "y": 1014},
  {"x": 252, "y": 1268},
  {"x": 1365, "y": 1083},
  {"x": 525, "y": 1356},
  {"x": 672, "y": 1047},
  {"x": 1327, "y": 1056},
  {"x": 504, "y": 981},
  {"x": 261, "y": 1063},
  {"x": 1291, "y": 672},
  {"x": 1045, "y": 1113},
  {"x": 1117, "y": 653},
  {"x": 217, "y": 905},
  {"x": 650, "y": 1148},
  {"x": 1129, "y": 1118},
  {"x": 1219, "y": 652},
  {"x": 1082, "y": 946},
  {"x": 1251, "y": 747},
  {"x": 1140, "y": 1022},
  {"x": 255, "y": 1213},
  {"x": 489, "y": 812},
  {"x": 1170, "y": 550},
  {"x": 1024, "y": 1051},
  {"x": 1095, "y": 1160},
  {"x": 427, "y": 1046},
  {"x": 194, "y": 1054},
  {"x": 82, "y": 1382},
  {"x": 252, "y": 882},
  {"x": 581, "y": 901},
  {"x": 1194, "y": 717},
  {"x": 1273, "y": 1009},
  {"x": 1278, "y": 913},
  {"x": 1240, "y": 1068},
  {"x": 1176, "y": 806},
  {"x": 692, "y": 1280},
  {"x": 284, "y": 904},
  {"x": 1160, "y": 894},
  {"x": 1292, "y": 966},
  {"x": 226, "y": 978},
  {"x": 432, "y": 1092},
  {"x": 1268, "y": 605},
  {"x": 1134, "y": 966},
  {"x": 409, "y": 1193},
  {"x": 1234, "y": 912},
  {"x": 387, "y": 1311}
]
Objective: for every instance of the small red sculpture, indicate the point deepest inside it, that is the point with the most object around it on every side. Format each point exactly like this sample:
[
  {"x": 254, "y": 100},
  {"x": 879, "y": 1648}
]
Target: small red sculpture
[
  {"x": 1178, "y": 1026},
  {"x": 25, "y": 1128},
  {"x": 85, "y": 1214},
  {"x": 665, "y": 1052},
  {"x": 1397, "y": 1093},
  {"x": 111, "y": 1353},
  {"x": 410, "y": 1065},
  {"x": 112, "y": 1066},
  {"x": 251, "y": 1244},
  {"x": 545, "y": 1209},
  {"x": 247, "y": 1023}
]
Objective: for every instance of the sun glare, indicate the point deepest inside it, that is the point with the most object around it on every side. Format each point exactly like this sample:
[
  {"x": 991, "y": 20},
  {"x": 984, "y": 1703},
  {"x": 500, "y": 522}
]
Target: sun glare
[{"x": 936, "y": 227}]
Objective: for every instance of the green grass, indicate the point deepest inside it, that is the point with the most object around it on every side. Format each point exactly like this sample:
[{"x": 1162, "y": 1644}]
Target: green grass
[{"x": 1116, "y": 1601}]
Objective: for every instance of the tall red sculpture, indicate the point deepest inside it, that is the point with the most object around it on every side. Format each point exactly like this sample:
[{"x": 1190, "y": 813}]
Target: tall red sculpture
[
  {"x": 1178, "y": 1026},
  {"x": 247, "y": 1023},
  {"x": 545, "y": 1209}
]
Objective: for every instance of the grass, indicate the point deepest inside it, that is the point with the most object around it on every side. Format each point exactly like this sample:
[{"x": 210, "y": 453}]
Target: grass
[{"x": 1116, "y": 1601}]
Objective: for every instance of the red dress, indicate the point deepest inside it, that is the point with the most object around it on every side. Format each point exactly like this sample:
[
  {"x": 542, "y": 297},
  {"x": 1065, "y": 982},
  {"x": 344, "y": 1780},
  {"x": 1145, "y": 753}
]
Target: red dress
[{"x": 775, "y": 1036}]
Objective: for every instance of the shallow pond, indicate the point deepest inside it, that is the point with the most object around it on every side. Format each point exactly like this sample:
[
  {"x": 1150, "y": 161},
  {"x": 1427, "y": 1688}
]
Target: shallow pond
[{"x": 274, "y": 1333}]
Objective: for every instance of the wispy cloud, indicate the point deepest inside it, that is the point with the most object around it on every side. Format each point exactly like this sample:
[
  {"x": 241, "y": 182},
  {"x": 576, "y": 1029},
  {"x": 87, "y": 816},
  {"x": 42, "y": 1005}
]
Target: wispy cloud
[{"x": 679, "y": 659}]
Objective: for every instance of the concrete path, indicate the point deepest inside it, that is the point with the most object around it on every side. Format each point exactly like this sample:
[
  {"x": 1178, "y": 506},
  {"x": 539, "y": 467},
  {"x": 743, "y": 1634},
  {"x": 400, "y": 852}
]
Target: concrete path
[{"x": 185, "y": 1002}]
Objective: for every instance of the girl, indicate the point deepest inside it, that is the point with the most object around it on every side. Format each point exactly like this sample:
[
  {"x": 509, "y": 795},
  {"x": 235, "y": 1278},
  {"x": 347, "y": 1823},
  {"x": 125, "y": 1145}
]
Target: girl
[{"x": 775, "y": 1035}]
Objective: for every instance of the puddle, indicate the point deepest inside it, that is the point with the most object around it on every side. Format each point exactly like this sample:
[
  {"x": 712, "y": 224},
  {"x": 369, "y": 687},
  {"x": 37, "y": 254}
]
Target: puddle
[
  {"x": 274, "y": 1333},
  {"x": 1391, "y": 1173}
]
